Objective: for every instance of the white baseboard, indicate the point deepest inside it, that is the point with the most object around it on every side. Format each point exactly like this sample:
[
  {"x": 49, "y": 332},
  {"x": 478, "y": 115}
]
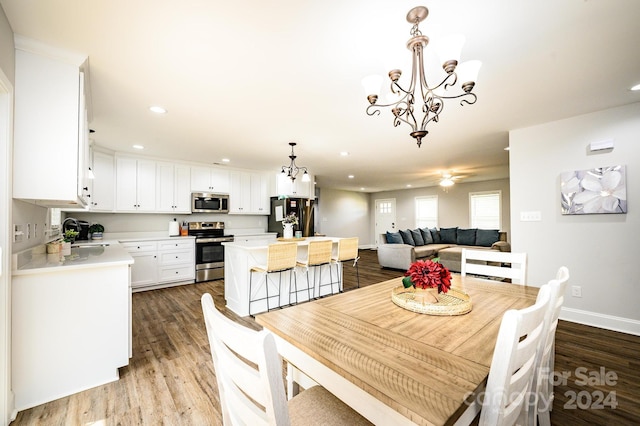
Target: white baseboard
[{"x": 608, "y": 322}]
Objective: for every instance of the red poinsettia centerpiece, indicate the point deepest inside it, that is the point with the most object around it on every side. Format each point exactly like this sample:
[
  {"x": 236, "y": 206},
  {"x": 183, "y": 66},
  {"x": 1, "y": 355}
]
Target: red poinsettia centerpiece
[{"x": 428, "y": 274}]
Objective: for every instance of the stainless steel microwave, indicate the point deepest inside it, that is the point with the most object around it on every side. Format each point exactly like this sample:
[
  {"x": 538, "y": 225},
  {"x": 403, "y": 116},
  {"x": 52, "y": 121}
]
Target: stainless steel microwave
[{"x": 202, "y": 202}]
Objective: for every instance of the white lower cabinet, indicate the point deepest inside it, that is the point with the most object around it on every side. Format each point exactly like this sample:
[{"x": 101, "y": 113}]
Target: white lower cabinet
[{"x": 161, "y": 263}]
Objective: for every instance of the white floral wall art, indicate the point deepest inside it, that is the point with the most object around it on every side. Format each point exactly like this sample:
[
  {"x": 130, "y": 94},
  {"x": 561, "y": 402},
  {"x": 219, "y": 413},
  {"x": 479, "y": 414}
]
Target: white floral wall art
[{"x": 600, "y": 190}]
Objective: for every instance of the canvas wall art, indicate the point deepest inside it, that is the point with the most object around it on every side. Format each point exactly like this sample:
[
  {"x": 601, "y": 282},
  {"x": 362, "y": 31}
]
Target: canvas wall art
[{"x": 594, "y": 191}]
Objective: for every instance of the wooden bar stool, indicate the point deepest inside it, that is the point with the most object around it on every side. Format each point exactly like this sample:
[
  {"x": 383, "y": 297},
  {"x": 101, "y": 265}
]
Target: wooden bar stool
[
  {"x": 347, "y": 251},
  {"x": 318, "y": 254},
  {"x": 281, "y": 257}
]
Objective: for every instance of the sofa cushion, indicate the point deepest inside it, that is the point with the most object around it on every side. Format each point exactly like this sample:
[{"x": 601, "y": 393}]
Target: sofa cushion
[
  {"x": 486, "y": 237},
  {"x": 435, "y": 235},
  {"x": 426, "y": 236},
  {"x": 417, "y": 237},
  {"x": 407, "y": 237},
  {"x": 467, "y": 237},
  {"x": 394, "y": 238},
  {"x": 449, "y": 235}
]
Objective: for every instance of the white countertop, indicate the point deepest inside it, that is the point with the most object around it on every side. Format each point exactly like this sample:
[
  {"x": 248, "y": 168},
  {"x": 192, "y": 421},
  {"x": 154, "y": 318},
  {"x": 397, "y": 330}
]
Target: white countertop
[
  {"x": 263, "y": 244},
  {"x": 125, "y": 237},
  {"x": 37, "y": 261}
]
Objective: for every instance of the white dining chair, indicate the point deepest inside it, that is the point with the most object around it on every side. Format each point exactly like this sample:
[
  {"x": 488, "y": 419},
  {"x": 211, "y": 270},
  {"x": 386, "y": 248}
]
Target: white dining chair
[
  {"x": 248, "y": 370},
  {"x": 512, "y": 370},
  {"x": 491, "y": 263},
  {"x": 318, "y": 255},
  {"x": 542, "y": 399}
]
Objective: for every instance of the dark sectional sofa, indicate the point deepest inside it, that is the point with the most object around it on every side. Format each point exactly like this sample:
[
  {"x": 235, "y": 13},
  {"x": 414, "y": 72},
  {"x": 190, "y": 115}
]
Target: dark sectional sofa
[{"x": 398, "y": 250}]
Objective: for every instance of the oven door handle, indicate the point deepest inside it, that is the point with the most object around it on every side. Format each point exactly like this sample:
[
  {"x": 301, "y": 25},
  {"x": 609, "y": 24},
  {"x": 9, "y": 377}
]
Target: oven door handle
[{"x": 212, "y": 240}]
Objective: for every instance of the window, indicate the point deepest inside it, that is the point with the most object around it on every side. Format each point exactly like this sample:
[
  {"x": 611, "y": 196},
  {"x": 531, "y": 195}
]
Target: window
[
  {"x": 384, "y": 207},
  {"x": 485, "y": 209},
  {"x": 427, "y": 211}
]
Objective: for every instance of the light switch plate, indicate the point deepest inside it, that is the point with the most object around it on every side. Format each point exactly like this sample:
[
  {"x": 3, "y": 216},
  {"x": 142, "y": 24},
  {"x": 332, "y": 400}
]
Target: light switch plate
[{"x": 533, "y": 216}]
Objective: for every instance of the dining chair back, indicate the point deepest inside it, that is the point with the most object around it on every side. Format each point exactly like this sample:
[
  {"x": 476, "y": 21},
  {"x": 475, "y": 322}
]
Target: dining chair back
[
  {"x": 494, "y": 264},
  {"x": 248, "y": 371},
  {"x": 281, "y": 257},
  {"x": 542, "y": 398},
  {"x": 347, "y": 251},
  {"x": 318, "y": 254},
  {"x": 512, "y": 368}
]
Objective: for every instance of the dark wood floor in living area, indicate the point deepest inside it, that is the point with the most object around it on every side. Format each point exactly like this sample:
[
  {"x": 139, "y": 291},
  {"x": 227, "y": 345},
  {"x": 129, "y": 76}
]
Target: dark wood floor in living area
[{"x": 170, "y": 379}]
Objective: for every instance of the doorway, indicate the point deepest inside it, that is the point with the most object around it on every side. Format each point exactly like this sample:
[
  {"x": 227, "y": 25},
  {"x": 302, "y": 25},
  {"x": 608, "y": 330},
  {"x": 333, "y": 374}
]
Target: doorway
[{"x": 385, "y": 217}]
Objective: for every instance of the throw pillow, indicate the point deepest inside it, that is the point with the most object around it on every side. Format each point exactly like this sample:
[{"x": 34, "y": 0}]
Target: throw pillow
[
  {"x": 407, "y": 238},
  {"x": 486, "y": 237},
  {"x": 426, "y": 236},
  {"x": 449, "y": 235},
  {"x": 394, "y": 238},
  {"x": 417, "y": 237},
  {"x": 467, "y": 237},
  {"x": 435, "y": 235}
]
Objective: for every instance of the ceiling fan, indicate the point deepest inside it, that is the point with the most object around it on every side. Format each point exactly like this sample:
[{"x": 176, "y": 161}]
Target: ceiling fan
[{"x": 448, "y": 178}]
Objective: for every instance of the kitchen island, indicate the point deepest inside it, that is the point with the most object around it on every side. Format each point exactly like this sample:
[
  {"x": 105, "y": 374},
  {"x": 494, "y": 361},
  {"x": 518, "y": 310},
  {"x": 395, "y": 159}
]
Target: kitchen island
[
  {"x": 240, "y": 257},
  {"x": 71, "y": 320}
]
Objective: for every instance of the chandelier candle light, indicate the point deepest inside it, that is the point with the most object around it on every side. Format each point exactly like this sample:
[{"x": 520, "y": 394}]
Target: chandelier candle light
[
  {"x": 432, "y": 98},
  {"x": 292, "y": 170}
]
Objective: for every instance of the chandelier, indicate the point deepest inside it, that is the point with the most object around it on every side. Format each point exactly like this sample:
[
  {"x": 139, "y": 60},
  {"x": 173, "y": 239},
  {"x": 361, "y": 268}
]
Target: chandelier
[
  {"x": 292, "y": 170},
  {"x": 432, "y": 99}
]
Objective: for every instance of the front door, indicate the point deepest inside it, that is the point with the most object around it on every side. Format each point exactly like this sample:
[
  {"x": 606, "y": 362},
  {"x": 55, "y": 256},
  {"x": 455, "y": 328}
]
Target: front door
[{"x": 385, "y": 217}]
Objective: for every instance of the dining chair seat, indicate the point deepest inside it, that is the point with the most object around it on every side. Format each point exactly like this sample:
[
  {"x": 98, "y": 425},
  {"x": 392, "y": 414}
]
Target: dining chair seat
[
  {"x": 281, "y": 257},
  {"x": 493, "y": 263},
  {"x": 248, "y": 371},
  {"x": 318, "y": 255}
]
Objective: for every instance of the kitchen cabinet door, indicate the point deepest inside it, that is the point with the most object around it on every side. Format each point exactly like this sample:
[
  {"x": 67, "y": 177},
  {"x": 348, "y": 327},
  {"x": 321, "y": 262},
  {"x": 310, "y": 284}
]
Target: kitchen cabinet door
[
  {"x": 50, "y": 130},
  {"x": 260, "y": 193},
  {"x": 210, "y": 179},
  {"x": 240, "y": 193},
  {"x": 135, "y": 185},
  {"x": 103, "y": 194},
  {"x": 297, "y": 188},
  {"x": 173, "y": 188}
]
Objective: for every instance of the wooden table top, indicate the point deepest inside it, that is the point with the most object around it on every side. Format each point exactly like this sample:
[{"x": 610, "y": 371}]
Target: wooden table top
[{"x": 422, "y": 366}]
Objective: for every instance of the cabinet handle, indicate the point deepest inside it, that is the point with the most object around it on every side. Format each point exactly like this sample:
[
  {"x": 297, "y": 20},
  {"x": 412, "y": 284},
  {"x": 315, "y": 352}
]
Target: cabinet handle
[{"x": 86, "y": 188}]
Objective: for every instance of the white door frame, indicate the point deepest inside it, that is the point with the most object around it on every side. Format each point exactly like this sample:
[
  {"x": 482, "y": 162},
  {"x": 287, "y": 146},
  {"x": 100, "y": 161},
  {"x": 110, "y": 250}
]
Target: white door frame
[
  {"x": 7, "y": 405},
  {"x": 379, "y": 227}
]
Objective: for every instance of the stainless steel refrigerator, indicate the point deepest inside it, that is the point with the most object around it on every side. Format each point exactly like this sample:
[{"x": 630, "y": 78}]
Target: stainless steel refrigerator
[{"x": 302, "y": 207}]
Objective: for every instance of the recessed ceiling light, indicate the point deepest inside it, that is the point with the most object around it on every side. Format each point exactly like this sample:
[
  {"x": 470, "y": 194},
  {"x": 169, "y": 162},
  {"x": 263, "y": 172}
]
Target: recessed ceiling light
[
  {"x": 409, "y": 186},
  {"x": 344, "y": 154},
  {"x": 157, "y": 109},
  {"x": 507, "y": 148},
  {"x": 351, "y": 176},
  {"x": 225, "y": 160},
  {"x": 636, "y": 87},
  {"x": 362, "y": 188},
  {"x": 138, "y": 146}
]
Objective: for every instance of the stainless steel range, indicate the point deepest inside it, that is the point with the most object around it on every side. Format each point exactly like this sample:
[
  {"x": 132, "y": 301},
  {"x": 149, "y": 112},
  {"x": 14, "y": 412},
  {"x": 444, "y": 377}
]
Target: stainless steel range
[{"x": 209, "y": 249}]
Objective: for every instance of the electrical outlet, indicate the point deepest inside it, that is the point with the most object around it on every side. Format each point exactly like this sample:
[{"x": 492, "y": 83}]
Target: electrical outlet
[{"x": 576, "y": 291}]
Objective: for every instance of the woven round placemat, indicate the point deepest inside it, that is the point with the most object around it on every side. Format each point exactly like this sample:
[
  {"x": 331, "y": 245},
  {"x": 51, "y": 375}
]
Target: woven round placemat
[{"x": 454, "y": 302}]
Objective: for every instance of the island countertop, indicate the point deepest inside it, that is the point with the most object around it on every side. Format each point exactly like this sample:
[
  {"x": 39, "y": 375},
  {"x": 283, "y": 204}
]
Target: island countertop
[
  {"x": 37, "y": 261},
  {"x": 262, "y": 244}
]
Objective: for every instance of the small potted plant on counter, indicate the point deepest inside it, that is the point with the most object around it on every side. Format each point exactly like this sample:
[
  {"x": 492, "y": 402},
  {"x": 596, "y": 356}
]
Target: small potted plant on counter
[{"x": 96, "y": 231}]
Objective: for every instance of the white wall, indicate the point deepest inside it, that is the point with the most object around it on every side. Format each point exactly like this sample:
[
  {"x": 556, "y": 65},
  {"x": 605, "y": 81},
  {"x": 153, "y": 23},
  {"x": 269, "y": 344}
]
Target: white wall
[
  {"x": 453, "y": 205},
  {"x": 344, "y": 214},
  {"x": 601, "y": 250}
]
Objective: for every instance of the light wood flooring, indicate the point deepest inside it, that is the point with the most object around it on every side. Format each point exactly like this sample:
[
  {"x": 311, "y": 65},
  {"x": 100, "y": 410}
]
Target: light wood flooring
[{"x": 170, "y": 379}]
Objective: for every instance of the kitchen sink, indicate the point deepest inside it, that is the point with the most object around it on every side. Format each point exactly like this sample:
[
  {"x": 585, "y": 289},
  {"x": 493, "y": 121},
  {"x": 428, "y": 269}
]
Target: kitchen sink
[{"x": 87, "y": 244}]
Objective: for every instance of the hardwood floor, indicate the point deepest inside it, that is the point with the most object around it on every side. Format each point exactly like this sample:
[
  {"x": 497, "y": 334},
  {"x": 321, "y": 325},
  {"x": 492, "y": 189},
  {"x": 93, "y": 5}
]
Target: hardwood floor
[{"x": 170, "y": 379}]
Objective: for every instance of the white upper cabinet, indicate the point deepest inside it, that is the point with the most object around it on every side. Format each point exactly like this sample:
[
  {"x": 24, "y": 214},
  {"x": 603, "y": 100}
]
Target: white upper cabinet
[
  {"x": 210, "y": 179},
  {"x": 103, "y": 194},
  {"x": 249, "y": 193},
  {"x": 135, "y": 185},
  {"x": 51, "y": 144},
  {"x": 173, "y": 191},
  {"x": 297, "y": 188}
]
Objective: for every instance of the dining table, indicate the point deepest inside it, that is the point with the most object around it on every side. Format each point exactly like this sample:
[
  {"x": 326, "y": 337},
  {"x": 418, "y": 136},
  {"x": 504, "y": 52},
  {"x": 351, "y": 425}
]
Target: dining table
[{"x": 394, "y": 365}]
